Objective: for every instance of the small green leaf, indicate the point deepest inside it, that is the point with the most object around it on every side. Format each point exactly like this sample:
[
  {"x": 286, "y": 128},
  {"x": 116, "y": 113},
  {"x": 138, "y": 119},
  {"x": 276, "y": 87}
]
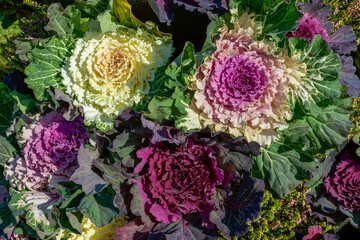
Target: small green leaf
[
  {"x": 280, "y": 19},
  {"x": 99, "y": 208},
  {"x": 160, "y": 108},
  {"x": 66, "y": 22},
  {"x": 92, "y": 8},
  {"x": 123, "y": 13},
  {"x": 46, "y": 63},
  {"x": 6, "y": 150}
]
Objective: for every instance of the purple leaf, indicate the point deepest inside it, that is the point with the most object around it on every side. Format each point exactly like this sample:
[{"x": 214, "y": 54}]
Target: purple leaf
[
  {"x": 164, "y": 9},
  {"x": 91, "y": 182},
  {"x": 348, "y": 77},
  {"x": 343, "y": 41},
  {"x": 244, "y": 205},
  {"x": 134, "y": 230}
]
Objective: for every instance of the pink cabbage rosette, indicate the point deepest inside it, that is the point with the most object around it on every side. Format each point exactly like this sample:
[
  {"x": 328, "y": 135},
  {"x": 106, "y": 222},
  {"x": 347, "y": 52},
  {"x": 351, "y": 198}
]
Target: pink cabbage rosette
[
  {"x": 243, "y": 88},
  {"x": 49, "y": 151}
]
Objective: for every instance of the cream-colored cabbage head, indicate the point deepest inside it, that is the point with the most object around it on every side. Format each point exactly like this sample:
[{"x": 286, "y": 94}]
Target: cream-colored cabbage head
[{"x": 111, "y": 71}]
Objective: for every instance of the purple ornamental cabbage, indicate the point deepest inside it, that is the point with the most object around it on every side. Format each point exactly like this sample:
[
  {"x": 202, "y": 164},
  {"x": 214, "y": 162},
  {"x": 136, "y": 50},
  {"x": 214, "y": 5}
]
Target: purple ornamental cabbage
[
  {"x": 49, "y": 151},
  {"x": 315, "y": 22},
  {"x": 164, "y": 9},
  {"x": 344, "y": 185},
  {"x": 179, "y": 180},
  {"x": 178, "y": 175}
]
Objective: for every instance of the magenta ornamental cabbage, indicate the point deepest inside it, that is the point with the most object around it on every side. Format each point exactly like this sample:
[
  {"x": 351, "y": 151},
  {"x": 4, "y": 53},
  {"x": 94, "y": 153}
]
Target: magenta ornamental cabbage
[
  {"x": 344, "y": 185},
  {"x": 183, "y": 182},
  {"x": 49, "y": 151},
  {"x": 179, "y": 180},
  {"x": 309, "y": 26}
]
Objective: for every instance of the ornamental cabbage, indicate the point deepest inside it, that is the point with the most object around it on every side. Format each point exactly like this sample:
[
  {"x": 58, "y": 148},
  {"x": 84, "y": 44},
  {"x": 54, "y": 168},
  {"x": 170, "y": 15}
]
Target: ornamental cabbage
[
  {"x": 344, "y": 185},
  {"x": 179, "y": 180},
  {"x": 243, "y": 88},
  {"x": 179, "y": 177},
  {"x": 110, "y": 71},
  {"x": 49, "y": 151}
]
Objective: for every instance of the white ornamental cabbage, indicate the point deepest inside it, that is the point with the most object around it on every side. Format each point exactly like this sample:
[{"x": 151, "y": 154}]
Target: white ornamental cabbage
[{"x": 111, "y": 71}]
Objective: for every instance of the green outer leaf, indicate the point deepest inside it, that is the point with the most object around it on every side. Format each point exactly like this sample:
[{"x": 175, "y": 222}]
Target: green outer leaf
[
  {"x": 46, "y": 62},
  {"x": 66, "y": 22},
  {"x": 212, "y": 31},
  {"x": 71, "y": 220},
  {"x": 284, "y": 164},
  {"x": 276, "y": 17},
  {"x": 6, "y": 108},
  {"x": 280, "y": 19},
  {"x": 99, "y": 208},
  {"x": 92, "y": 8},
  {"x": 6, "y": 150},
  {"x": 321, "y": 82},
  {"x": 7, "y": 218},
  {"x": 257, "y": 6},
  {"x": 123, "y": 13},
  {"x": 331, "y": 126},
  {"x": 170, "y": 95}
]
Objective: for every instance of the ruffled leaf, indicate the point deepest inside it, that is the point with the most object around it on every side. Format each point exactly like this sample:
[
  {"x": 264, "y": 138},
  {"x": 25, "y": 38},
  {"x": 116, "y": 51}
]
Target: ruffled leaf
[{"x": 343, "y": 40}]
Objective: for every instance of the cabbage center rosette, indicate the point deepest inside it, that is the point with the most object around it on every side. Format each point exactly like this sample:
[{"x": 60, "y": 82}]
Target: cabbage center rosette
[
  {"x": 49, "y": 152},
  {"x": 108, "y": 72},
  {"x": 243, "y": 88},
  {"x": 178, "y": 181}
]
